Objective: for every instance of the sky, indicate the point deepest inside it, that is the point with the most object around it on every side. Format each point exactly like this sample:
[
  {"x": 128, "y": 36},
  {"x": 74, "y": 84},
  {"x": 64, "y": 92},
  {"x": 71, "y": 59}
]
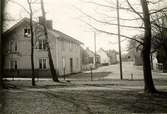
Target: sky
[{"x": 68, "y": 19}]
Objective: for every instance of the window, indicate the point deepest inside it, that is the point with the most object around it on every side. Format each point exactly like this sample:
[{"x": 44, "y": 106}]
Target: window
[
  {"x": 27, "y": 32},
  {"x": 13, "y": 65},
  {"x": 63, "y": 45},
  {"x": 70, "y": 44},
  {"x": 77, "y": 62},
  {"x": 63, "y": 62},
  {"x": 12, "y": 46},
  {"x": 42, "y": 44},
  {"x": 75, "y": 46},
  {"x": 42, "y": 63}
]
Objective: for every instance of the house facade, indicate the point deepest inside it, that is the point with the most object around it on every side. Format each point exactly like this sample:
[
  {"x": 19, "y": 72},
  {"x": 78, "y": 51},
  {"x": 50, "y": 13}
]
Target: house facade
[
  {"x": 88, "y": 59},
  {"x": 104, "y": 58},
  {"x": 65, "y": 50}
]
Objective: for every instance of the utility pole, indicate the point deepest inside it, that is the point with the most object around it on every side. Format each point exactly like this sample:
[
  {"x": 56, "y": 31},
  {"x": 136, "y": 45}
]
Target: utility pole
[
  {"x": 119, "y": 41},
  {"x": 95, "y": 47}
]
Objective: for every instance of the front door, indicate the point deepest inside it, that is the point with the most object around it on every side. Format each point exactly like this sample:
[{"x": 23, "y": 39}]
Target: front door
[{"x": 71, "y": 65}]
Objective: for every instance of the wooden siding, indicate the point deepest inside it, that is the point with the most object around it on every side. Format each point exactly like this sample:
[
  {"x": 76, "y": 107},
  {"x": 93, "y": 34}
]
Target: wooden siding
[{"x": 59, "y": 49}]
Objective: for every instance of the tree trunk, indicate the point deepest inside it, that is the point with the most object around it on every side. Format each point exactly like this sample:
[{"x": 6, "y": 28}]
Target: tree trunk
[
  {"x": 32, "y": 44},
  {"x": 165, "y": 47},
  {"x": 52, "y": 69},
  {"x": 2, "y": 3},
  {"x": 165, "y": 62},
  {"x": 149, "y": 85}
]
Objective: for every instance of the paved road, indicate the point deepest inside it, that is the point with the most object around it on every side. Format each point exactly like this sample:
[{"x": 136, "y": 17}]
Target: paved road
[
  {"x": 113, "y": 72},
  {"x": 105, "y": 94}
]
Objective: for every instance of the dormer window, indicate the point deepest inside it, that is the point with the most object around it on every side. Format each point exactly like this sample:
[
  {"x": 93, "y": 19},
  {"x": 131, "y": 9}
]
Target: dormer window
[{"x": 27, "y": 32}]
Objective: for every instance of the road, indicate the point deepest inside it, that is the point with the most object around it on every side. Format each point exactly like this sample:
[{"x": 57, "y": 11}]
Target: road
[
  {"x": 79, "y": 95},
  {"x": 112, "y": 72}
]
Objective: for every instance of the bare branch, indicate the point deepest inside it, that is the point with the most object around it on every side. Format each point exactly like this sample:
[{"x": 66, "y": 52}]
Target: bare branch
[
  {"x": 117, "y": 42},
  {"x": 134, "y": 10},
  {"x": 108, "y": 23},
  {"x": 157, "y": 11},
  {"x": 111, "y": 7},
  {"x": 19, "y": 5},
  {"x": 110, "y": 33},
  {"x": 122, "y": 19},
  {"x": 155, "y": 2}
]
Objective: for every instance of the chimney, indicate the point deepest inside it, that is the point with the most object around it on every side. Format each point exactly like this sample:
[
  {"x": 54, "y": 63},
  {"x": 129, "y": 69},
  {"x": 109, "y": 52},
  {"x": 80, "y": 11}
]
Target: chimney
[
  {"x": 49, "y": 23},
  {"x": 41, "y": 20}
]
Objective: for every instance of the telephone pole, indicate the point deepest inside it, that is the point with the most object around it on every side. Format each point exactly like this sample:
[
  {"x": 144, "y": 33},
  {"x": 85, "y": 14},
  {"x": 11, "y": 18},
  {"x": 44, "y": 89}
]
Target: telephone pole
[
  {"x": 95, "y": 47},
  {"x": 119, "y": 41}
]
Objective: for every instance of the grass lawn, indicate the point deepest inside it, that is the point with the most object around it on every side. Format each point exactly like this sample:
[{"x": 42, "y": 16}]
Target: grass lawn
[{"x": 82, "y": 97}]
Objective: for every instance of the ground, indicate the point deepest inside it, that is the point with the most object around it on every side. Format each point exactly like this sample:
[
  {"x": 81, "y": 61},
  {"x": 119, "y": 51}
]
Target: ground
[{"x": 79, "y": 95}]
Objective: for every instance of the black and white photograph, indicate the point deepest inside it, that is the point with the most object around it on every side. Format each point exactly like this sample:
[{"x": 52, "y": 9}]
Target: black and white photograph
[{"x": 83, "y": 56}]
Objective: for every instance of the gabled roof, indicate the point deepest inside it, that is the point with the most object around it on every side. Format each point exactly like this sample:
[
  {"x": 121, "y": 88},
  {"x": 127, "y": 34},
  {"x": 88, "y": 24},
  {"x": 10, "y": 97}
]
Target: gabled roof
[
  {"x": 25, "y": 19},
  {"x": 101, "y": 49},
  {"x": 61, "y": 34},
  {"x": 66, "y": 37},
  {"x": 90, "y": 52}
]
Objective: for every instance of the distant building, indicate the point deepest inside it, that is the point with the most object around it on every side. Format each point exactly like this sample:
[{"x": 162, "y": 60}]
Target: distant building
[
  {"x": 104, "y": 58},
  {"x": 88, "y": 59},
  {"x": 66, "y": 51}
]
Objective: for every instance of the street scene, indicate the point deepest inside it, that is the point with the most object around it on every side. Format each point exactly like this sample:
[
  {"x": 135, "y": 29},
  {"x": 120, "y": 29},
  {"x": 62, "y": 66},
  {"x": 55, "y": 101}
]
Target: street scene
[
  {"x": 83, "y": 56},
  {"x": 105, "y": 93}
]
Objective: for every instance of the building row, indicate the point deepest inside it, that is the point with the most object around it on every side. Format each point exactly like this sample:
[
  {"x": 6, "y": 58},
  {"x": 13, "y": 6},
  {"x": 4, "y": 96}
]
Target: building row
[
  {"x": 91, "y": 59},
  {"x": 67, "y": 53}
]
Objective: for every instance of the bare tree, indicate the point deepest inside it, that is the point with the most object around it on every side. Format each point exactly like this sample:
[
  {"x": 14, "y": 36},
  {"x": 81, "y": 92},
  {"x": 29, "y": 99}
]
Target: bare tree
[
  {"x": 32, "y": 41},
  {"x": 159, "y": 29},
  {"x": 1, "y": 36},
  {"x": 149, "y": 85},
  {"x": 29, "y": 11},
  {"x": 52, "y": 69},
  {"x": 144, "y": 17}
]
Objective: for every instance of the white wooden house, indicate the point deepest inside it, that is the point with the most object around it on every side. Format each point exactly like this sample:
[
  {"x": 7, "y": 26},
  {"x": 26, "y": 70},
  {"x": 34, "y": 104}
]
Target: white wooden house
[
  {"x": 66, "y": 51},
  {"x": 88, "y": 59},
  {"x": 104, "y": 58}
]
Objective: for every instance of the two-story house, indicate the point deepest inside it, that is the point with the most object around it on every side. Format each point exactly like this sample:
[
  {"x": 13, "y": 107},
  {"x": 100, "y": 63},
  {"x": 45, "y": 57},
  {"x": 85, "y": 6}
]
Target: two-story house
[{"x": 65, "y": 50}]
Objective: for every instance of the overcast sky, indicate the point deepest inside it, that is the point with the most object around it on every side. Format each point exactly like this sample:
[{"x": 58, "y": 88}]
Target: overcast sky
[{"x": 67, "y": 19}]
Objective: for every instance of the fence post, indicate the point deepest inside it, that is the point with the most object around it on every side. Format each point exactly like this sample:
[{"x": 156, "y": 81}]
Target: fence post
[
  {"x": 91, "y": 74},
  {"x": 64, "y": 74},
  {"x": 131, "y": 76}
]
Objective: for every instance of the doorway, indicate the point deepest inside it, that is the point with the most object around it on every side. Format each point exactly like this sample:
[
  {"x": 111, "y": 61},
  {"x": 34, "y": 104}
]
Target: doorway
[{"x": 71, "y": 65}]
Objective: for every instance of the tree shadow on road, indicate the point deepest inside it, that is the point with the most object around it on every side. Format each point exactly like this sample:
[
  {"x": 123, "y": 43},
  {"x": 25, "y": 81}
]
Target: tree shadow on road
[
  {"x": 113, "y": 101},
  {"x": 87, "y": 75},
  {"x": 150, "y": 103}
]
